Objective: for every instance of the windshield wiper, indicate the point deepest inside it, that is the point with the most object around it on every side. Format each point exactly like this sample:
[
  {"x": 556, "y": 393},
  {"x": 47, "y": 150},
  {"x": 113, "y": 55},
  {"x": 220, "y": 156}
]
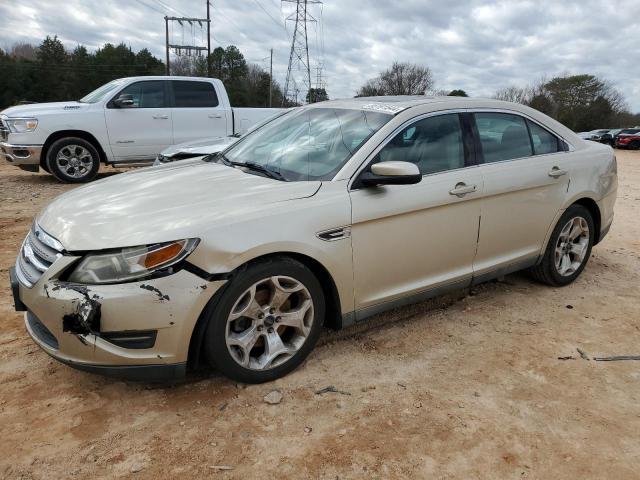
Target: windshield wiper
[
  {"x": 225, "y": 160},
  {"x": 262, "y": 169}
]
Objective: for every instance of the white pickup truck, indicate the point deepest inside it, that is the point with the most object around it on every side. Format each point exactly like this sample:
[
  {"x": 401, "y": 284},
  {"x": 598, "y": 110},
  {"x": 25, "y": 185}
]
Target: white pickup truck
[{"x": 126, "y": 122}]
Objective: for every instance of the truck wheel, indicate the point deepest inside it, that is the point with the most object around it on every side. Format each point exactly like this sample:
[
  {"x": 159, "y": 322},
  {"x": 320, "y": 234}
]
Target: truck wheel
[
  {"x": 266, "y": 321},
  {"x": 73, "y": 160}
]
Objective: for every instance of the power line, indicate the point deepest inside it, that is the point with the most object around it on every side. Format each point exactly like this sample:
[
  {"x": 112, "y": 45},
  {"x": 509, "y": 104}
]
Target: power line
[
  {"x": 159, "y": 2},
  {"x": 269, "y": 15},
  {"x": 151, "y": 7}
]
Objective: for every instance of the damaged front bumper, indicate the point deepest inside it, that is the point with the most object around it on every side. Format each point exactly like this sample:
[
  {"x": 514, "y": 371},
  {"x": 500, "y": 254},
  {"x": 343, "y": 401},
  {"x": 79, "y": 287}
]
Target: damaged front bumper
[{"x": 138, "y": 330}]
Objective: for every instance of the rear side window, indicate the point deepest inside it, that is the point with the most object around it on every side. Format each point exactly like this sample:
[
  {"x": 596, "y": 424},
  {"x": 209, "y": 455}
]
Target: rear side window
[
  {"x": 434, "y": 144},
  {"x": 147, "y": 94},
  {"x": 503, "y": 136},
  {"x": 189, "y": 94},
  {"x": 543, "y": 141}
]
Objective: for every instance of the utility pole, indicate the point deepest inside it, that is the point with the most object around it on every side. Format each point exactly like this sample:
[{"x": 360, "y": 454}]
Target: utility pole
[
  {"x": 270, "y": 78},
  {"x": 209, "y": 69},
  {"x": 188, "y": 49},
  {"x": 167, "y": 69},
  {"x": 299, "y": 54}
]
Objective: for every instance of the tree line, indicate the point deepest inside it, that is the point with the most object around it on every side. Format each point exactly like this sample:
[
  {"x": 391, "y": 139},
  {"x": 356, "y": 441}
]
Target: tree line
[
  {"x": 581, "y": 102},
  {"x": 48, "y": 72}
]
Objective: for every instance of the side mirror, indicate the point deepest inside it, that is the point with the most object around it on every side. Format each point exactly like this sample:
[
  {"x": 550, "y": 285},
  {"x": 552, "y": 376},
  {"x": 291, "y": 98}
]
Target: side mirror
[
  {"x": 123, "y": 101},
  {"x": 391, "y": 173}
]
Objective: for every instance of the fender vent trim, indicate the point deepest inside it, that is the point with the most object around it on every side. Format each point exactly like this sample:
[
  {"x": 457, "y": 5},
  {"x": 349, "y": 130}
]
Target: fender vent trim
[{"x": 334, "y": 234}]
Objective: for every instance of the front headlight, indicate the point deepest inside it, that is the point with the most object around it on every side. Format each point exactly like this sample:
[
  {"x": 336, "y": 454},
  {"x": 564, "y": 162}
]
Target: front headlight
[
  {"x": 131, "y": 263},
  {"x": 21, "y": 125}
]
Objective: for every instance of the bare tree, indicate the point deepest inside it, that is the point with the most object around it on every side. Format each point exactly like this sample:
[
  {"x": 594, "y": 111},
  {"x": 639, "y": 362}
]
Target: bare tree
[
  {"x": 189, "y": 66},
  {"x": 400, "y": 79},
  {"x": 513, "y": 94},
  {"x": 24, "y": 50}
]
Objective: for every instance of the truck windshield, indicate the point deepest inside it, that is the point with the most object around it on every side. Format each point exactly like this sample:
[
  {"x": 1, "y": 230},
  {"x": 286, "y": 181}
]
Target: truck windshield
[
  {"x": 100, "y": 93},
  {"x": 307, "y": 143}
]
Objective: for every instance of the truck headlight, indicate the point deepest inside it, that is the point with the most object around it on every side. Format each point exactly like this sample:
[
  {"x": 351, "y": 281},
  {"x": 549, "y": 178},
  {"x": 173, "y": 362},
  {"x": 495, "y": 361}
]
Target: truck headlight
[
  {"x": 128, "y": 264},
  {"x": 21, "y": 125}
]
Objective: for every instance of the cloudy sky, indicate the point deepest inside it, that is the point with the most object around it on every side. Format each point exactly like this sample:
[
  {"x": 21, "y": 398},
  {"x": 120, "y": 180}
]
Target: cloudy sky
[{"x": 474, "y": 45}]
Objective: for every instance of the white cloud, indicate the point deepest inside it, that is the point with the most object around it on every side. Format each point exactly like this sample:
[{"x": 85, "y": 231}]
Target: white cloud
[{"x": 478, "y": 46}]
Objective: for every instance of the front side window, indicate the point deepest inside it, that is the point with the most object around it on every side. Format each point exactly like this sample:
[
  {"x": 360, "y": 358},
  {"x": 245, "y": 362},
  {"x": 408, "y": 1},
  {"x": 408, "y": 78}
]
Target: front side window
[
  {"x": 503, "y": 136},
  {"x": 308, "y": 143},
  {"x": 148, "y": 94},
  {"x": 434, "y": 144},
  {"x": 192, "y": 94},
  {"x": 543, "y": 141}
]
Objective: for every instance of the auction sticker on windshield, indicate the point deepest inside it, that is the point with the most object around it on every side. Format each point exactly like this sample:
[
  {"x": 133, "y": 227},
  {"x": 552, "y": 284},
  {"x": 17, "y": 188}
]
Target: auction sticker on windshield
[{"x": 383, "y": 107}]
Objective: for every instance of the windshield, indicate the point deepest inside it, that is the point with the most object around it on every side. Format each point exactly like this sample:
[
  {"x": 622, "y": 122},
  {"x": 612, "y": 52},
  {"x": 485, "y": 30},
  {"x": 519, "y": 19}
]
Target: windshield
[
  {"x": 102, "y": 92},
  {"x": 307, "y": 143}
]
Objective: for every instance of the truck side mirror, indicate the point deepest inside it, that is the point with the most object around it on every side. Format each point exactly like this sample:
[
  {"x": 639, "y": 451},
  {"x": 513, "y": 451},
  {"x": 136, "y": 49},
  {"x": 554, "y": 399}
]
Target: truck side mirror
[{"x": 124, "y": 101}]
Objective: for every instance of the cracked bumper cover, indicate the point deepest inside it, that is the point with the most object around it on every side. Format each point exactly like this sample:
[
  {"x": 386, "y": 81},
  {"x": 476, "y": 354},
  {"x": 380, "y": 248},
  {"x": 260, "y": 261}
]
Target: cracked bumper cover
[{"x": 76, "y": 316}]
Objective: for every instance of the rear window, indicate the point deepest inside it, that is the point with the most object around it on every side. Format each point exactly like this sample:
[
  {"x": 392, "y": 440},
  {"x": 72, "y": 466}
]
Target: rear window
[
  {"x": 543, "y": 141},
  {"x": 190, "y": 94}
]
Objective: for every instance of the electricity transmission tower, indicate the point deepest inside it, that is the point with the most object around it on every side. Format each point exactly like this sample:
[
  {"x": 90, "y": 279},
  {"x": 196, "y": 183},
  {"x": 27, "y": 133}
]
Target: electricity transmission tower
[{"x": 299, "y": 55}]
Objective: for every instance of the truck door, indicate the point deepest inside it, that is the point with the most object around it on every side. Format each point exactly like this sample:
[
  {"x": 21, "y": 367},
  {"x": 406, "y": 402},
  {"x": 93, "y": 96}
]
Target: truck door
[
  {"x": 143, "y": 129},
  {"x": 197, "y": 113}
]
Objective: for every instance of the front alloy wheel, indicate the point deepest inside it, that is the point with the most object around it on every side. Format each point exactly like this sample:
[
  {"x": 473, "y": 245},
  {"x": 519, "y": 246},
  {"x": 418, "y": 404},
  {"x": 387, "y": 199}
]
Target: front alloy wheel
[
  {"x": 269, "y": 323},
  {"x": 265, "y": 321},
  {"x": 73, "y": 160}
]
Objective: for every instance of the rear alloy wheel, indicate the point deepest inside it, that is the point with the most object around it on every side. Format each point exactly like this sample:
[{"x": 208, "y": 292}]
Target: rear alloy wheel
[
  {"x": 73, "y": 160},
  {"x": 266, "y": 322},
  {"x": 569, "y": 248}
]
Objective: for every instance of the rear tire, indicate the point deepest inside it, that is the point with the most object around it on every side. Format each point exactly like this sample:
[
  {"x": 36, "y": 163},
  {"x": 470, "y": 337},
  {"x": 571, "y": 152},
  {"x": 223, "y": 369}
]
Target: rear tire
[
  {"x": 569, "y": 248},
  {"x": 266, "y": 321},
  {"x": 73, "y": 160}
]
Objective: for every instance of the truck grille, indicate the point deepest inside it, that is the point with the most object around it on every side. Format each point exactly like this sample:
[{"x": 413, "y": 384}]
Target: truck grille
[
  {"x": 4, "y": 132},
  {"x": 39, "y": 250}
]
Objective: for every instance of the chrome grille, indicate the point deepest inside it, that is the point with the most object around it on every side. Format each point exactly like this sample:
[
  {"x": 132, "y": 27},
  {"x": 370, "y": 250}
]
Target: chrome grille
[
  {"x": 4, "y": 132},
  {"x": 39, "y": 250}
]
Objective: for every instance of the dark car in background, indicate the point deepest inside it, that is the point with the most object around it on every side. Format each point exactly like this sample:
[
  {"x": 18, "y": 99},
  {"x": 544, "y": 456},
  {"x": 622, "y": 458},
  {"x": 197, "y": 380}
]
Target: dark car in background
[
  {"x": 609, "y": 137},
  {"x": 596, "y": 135}
]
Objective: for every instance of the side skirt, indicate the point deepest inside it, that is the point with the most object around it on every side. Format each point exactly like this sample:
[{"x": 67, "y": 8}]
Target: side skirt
[
  {"x": 358, "y": 316},
  {"x": 506, "y": 270}
]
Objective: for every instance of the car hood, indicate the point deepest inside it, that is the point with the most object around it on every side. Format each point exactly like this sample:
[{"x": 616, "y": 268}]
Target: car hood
[
  {"x": 161, "y": 204},
  {"x": 200, "y": 147},
  {"x": 39, "y": 108}
]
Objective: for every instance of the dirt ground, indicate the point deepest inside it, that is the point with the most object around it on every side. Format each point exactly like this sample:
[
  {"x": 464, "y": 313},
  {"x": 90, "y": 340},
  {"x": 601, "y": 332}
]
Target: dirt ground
[{"x": 469, "y": 386}]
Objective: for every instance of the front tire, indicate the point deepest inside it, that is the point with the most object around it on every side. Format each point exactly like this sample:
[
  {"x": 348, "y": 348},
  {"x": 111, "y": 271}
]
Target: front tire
[
  {"x": 73, "y": 160},
  {"x": 266, "y": 322},
  {"x": 569, "y": 248}
]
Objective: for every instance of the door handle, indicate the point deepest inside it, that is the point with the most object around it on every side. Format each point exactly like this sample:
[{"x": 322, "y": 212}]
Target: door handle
[
  {"x": 161, "y": 117},
  {"x": 215, "y": 115},
  {"x": 461, "y": 189},
  {"x": 557, "y": 172}
]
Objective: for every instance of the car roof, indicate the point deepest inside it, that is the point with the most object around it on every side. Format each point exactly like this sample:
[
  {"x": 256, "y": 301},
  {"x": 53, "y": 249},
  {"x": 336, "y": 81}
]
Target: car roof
[{"x": 395, "y": 104}]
